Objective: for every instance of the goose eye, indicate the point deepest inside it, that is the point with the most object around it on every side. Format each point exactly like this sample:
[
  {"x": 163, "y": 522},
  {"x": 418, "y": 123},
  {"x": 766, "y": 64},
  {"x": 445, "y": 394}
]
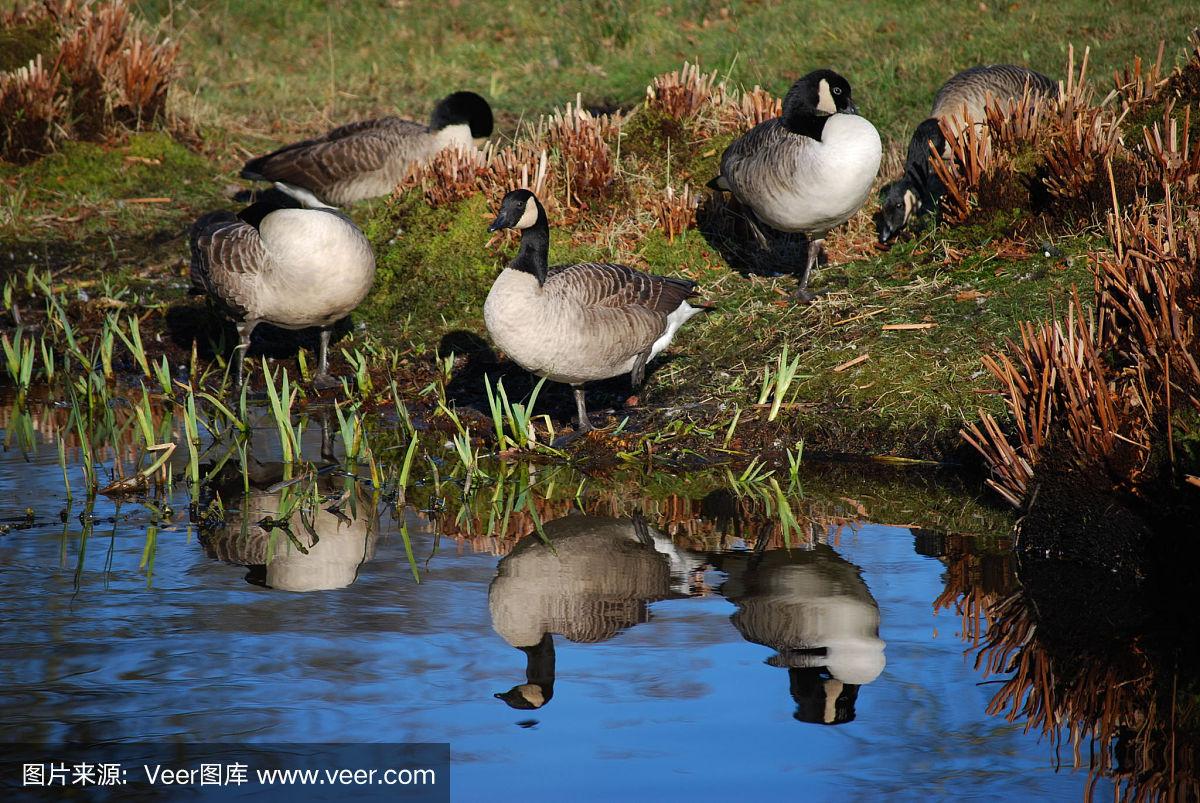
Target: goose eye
[{"x": 837, "y": 90}]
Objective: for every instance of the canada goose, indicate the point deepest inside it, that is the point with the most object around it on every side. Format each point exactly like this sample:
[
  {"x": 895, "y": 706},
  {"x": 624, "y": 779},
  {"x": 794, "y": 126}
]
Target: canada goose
[
  {"x": 369, "y": 158},
  {"x": 293, "y": 268},
  {"x": 325, "y": 550},
  {"x": 812, "y": 607},
  {"x": 810, "y": 169},
  {"x": 578, "y": 323},
  {"x": 960, "y": 102},
  {"x": 588, "y": 580}
]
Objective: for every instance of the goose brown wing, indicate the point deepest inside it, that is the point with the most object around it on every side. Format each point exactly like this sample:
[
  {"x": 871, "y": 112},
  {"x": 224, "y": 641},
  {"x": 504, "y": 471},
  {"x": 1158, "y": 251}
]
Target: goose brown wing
[
  {"x": 610, "y": 286},
  {"x": 766, "y": 146},
  {"x": 623, "y": 311},
  {"x": 342, "y": 154},
  {"x": 227, "y": 256}
]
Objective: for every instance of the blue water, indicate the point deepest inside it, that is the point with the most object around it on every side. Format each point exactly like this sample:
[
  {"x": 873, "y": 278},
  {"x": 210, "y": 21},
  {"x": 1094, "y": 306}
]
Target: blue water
[{"x": 679, "y": 706}]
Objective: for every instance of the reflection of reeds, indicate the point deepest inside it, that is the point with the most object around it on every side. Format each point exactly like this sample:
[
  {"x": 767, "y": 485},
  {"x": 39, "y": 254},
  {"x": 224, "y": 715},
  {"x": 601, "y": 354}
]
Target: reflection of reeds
[
  {"x": 494, "y": 521},
  {"x": 1119, "y": 700},
  {"x": 974, "y": 582}
]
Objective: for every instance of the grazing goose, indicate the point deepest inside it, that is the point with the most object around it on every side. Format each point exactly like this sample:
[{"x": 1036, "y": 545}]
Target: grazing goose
[
  {"x": 960, "y": 102},
  {"x": 369, "y": 158},
  {"x": 810, "y": 169},
  {"x": 589, "y": 578},
  {"x": 578, "y": 323},
  {"x": 812, "y": 607},
  {"x": 293, "y": 268}
]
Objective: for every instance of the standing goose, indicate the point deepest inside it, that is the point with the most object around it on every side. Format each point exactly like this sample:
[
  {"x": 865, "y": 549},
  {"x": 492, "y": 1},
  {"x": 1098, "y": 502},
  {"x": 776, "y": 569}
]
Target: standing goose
[
  {"x": 960, "y": 102},
  {"x": 810, "y": 169},
  {"x": 369, "y": 158},
  {"x": 293, "y": 268},
  {"x": 578, "y": 323}
]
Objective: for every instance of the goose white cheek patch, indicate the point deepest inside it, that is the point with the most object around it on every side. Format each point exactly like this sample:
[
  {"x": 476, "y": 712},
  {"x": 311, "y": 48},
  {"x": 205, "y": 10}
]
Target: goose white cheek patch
[
  {"x": 825, "y": 99},
  {"x": 529, "y": 217}
]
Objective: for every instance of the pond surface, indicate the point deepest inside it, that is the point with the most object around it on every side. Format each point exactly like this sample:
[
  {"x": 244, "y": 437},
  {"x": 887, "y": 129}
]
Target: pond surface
[{"x": 609, "y": 658}]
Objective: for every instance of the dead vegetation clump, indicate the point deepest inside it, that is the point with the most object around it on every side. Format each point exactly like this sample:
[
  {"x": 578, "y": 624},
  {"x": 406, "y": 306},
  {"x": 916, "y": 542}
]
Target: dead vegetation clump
[
  {"x": 579, "y": 163},
  {"x": 675, "y": 212},
  {"x": 104, "y": 73},
  {"x": 1105, "y": 389},
  {"x": 580, "y": 140},
  {"x": 684, "y": 93},
  {"x": 450, "y": 176},
  {"x": 32, "y": 110},
  {"x": 1110, "y": 389},
  {"x": 1053, "y": 154}
]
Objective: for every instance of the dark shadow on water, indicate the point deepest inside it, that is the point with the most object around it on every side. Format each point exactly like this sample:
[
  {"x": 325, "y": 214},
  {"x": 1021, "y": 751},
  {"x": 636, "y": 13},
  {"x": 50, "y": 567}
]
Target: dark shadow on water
[{"x": 1097, "y": 645}]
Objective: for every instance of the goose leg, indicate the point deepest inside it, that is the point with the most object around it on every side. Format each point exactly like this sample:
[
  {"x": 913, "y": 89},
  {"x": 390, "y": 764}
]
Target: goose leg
[
  {"x": 585, "y": 424},
  {"x": 327, "y": 437},
  {"x": 752, "y": 221},
  {"x": 814, "y": 255},
  {"x": 323, "y": 380},
  {"x": 244, "y": 329}
]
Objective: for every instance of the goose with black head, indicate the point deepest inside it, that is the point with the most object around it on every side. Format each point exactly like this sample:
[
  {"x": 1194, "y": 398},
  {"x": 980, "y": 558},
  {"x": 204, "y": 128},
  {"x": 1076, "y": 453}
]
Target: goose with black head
[
  {"x": 578, "y": 323},
  {"x": 961, "y": 102},
  {"x": 809, "y": 170},
  {"x": 368, "y": 159}
]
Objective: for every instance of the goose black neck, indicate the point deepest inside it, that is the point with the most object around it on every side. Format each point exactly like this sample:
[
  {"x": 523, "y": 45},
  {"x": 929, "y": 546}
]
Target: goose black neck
[
  {"x": 534, "y": 255},
  {"x": 808, "y": 125}
]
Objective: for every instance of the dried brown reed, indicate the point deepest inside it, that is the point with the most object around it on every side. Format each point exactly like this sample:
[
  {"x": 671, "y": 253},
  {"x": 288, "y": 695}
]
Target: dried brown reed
[
  {"x": 580, "y": 140},
  {"x": 106, "y": 74},
  {"x": 1102, "y": 388},
  {"x": 451, "y": 175},
  {"x": 1137, "y": 86},
  {"x": 756, "y": 106},
  {"x": 675, "y": 212},
  {"x": 682, "y": 94},
  {"x": 33, "y": 111},
  {"x": 1057, "y": 147}
]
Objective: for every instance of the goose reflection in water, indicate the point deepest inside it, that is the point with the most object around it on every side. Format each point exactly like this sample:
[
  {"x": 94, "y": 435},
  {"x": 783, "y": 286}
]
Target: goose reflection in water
[
  {"x": 591, "y": 578},
  {"x": 315, "y": 548},
  {"x": 812, "y": 607}
]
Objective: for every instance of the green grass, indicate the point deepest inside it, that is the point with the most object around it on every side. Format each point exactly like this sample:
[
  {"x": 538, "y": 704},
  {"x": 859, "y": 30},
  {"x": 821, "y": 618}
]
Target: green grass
[
  {"x": 272, "y": 66},
  {"x": 254, "y": 74}
]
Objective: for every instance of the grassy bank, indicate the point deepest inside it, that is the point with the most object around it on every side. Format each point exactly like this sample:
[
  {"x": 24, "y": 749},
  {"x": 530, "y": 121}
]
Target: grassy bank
[{"x": 110, "y": 219}]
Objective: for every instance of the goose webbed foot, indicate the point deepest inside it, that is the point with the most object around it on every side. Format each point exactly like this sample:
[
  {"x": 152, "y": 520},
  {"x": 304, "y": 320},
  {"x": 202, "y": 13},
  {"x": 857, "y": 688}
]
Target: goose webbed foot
[
  {"x": 325, "y": 381},
  {"x": 583, "y": 423},
  {"x": 816, "y": 246}
]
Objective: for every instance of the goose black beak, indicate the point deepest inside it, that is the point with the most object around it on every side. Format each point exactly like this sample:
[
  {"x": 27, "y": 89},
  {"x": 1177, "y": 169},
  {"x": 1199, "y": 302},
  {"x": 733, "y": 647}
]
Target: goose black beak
[
  {"x": 497, "y": 224},
  {"x": 502, "y": 221},
  {"x": 850, "y": 109}
]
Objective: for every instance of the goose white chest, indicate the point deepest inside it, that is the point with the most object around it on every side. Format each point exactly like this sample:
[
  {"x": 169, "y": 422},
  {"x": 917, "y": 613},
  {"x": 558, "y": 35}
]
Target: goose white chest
[
  {"x": 818, "y": 184},
  {"x": 546, "y": 336}
]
